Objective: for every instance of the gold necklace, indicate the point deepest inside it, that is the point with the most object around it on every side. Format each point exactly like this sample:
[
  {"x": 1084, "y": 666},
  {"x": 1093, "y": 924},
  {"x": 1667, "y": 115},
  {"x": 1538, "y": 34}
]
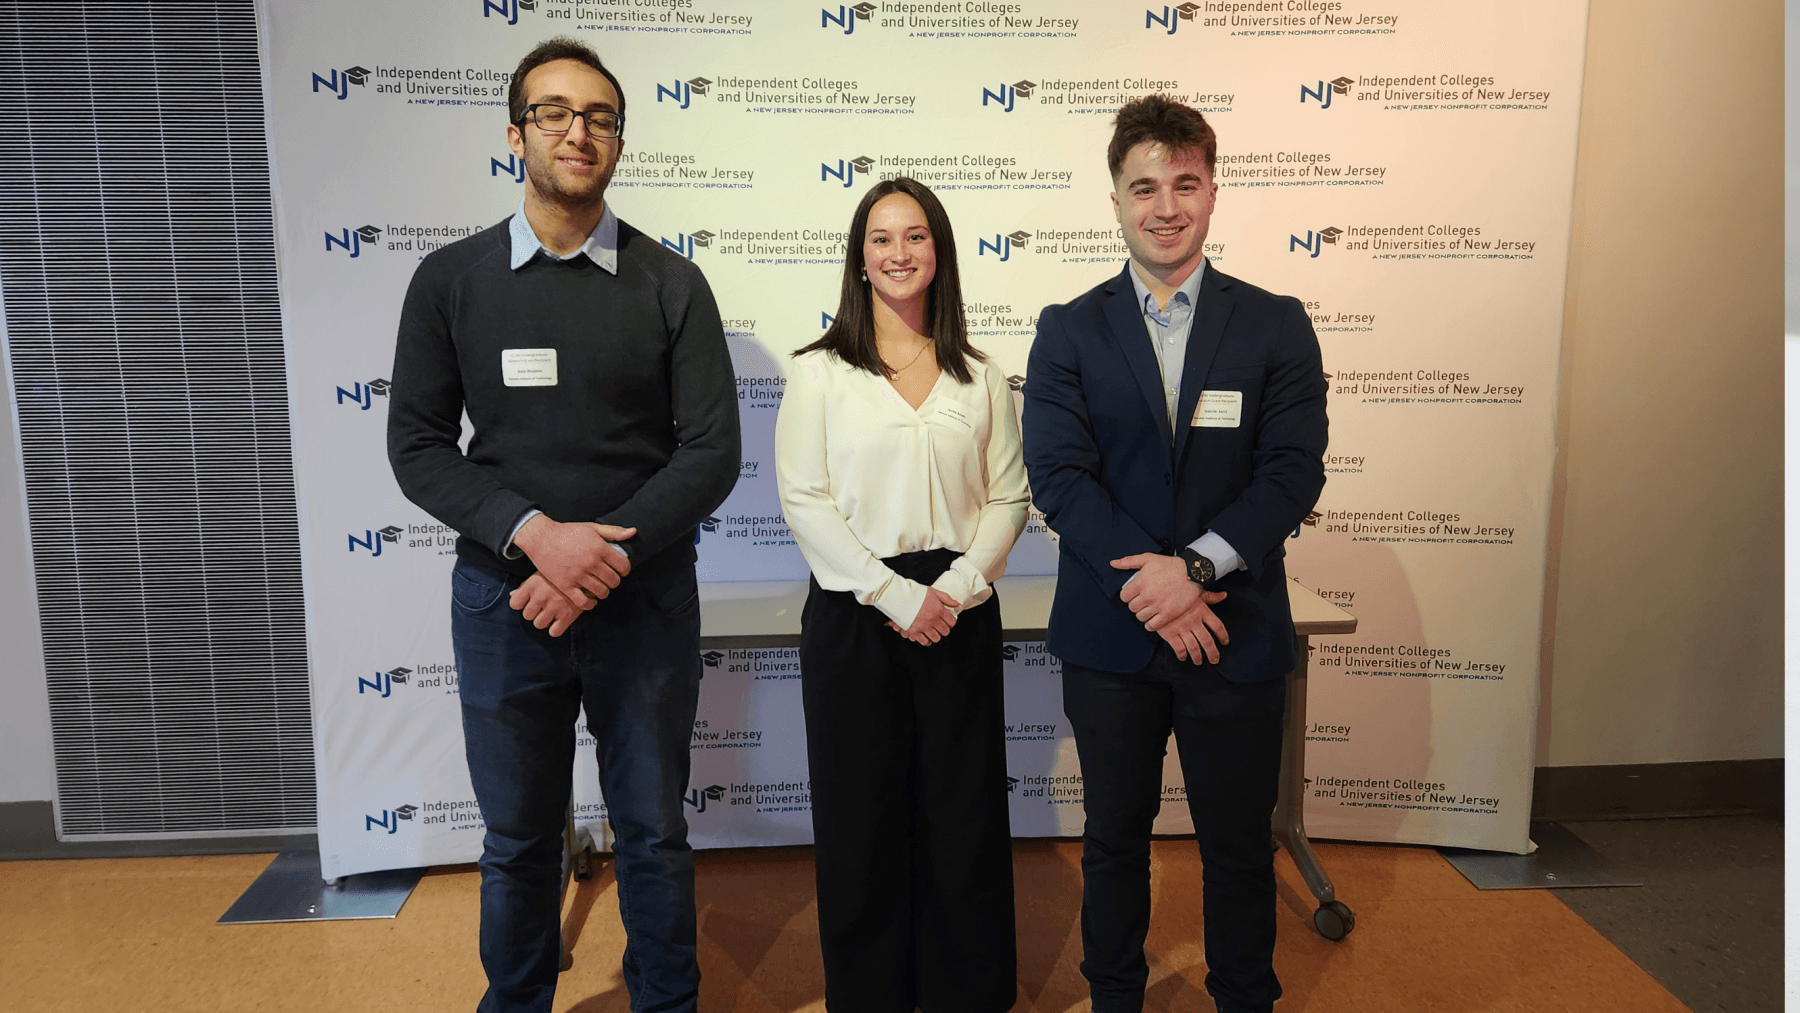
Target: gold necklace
[{"x": 909, "y": 363}]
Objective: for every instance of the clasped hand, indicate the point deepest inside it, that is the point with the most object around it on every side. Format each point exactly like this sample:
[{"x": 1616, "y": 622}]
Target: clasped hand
[
  {"x": 935, "y": 619},
  {"x": 577, "y": 566},
  {"x": 1173, "y": 607}
]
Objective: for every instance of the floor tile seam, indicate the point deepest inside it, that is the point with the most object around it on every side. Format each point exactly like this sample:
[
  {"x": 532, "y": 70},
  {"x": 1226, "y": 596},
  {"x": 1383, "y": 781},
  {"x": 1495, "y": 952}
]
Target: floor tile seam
[{"x": 1647, "y": 972}]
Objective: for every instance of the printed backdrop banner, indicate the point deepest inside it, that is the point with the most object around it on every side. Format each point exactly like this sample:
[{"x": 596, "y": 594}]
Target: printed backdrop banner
[{"x": 1402, "y": 166}]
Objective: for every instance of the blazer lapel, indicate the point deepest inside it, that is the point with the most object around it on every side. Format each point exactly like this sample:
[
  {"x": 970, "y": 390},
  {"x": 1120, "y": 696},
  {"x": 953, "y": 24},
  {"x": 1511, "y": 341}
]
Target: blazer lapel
[
  {"x": 1126, "y": 320},
  {"x": 1210, "y": 317}
]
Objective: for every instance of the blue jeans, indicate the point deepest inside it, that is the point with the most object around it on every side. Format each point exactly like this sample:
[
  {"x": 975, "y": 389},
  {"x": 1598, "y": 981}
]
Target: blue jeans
[{"x": 634, "y": 663}]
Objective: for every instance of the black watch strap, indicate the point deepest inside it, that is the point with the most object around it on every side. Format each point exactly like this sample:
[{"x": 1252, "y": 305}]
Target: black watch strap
[{"x": 1199, "y": 568}]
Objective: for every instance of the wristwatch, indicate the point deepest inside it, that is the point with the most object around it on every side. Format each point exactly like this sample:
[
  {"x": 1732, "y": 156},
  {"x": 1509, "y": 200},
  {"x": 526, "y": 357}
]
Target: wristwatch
[{"x": 1199, "y": 568}]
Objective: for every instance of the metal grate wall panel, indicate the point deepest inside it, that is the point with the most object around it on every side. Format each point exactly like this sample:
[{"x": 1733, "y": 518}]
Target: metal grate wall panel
[{"x": 137, "y": 268}]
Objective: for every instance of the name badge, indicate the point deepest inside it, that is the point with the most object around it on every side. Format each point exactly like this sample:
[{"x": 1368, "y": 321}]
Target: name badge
[
  {"x": 528, "y": 367},
  {"x": 956, "y": 417},
  {"x": 1219, "y": 409}
]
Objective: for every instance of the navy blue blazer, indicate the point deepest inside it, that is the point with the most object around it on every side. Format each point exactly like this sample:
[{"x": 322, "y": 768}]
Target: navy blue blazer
[{"x": 1112, "y": 480}]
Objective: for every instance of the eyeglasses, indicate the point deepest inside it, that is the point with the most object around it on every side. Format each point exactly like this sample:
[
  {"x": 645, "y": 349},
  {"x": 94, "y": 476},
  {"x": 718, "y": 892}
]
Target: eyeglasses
[{"x": 555, "y": 119}]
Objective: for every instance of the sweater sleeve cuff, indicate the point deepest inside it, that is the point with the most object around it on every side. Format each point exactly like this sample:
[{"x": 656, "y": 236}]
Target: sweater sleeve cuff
[
  {"x": 498, "y": 519},
  {"x": 511, "y": 551}
]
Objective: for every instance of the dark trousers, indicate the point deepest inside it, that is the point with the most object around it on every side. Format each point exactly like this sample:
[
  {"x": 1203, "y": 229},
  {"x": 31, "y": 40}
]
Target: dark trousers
[
  {"x": 1229, "y": 738},
  {"x": 634, "y": 663},
  {"x": 913, "y": 845}
]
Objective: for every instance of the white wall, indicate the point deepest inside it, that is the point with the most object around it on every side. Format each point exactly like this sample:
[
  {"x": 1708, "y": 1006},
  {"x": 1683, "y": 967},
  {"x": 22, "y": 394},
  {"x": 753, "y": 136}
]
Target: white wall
[{"x": 1664, "y": 618}]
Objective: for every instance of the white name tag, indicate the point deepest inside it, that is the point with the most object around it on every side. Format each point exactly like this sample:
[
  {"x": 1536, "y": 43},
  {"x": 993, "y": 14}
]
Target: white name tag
[
  {"x": 528, "y": 367},
  {"x": 1219, "y": 409},
  {"x": 956, "y": 417}
]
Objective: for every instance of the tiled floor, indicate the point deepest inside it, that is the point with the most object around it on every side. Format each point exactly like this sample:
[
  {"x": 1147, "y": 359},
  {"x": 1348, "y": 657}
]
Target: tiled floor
[{"x": 1707, "y": 923}]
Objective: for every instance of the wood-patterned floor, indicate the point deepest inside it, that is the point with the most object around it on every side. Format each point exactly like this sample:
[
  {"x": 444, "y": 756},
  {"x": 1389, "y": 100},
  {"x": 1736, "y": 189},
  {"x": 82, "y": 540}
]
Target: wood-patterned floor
[{"x": 138, "y": 935}]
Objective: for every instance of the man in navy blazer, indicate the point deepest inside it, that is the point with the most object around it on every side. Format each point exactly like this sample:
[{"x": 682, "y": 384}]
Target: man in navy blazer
[{"x": 1175, "y": 434}]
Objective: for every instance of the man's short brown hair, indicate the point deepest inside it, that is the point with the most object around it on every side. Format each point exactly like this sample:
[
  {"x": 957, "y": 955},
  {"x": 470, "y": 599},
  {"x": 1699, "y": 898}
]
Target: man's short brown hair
[
  {"x": 559, "y": 48},
  {"x": 1161, "y": 120}
]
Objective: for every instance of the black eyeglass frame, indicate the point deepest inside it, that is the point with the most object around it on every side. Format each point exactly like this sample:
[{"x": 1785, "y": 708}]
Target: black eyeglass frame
[{"x": 531, "y": 116}]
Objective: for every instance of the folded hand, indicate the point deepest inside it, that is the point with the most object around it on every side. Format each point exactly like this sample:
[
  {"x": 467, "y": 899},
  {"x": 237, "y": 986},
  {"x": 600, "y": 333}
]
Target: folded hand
[
  {"x": 545, "y": 607},
  {"x": 576, "y": 557},
  {"x": 1196, "y": 633},
  {"x": 934, "y": 621}
]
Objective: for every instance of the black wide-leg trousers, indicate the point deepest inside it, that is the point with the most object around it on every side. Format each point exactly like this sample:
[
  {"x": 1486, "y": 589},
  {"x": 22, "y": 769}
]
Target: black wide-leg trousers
[{"x": 913, "y": 846}]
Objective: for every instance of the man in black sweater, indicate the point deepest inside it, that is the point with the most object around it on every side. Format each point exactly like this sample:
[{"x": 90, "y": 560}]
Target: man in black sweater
[{"x": 593, "y": 367}]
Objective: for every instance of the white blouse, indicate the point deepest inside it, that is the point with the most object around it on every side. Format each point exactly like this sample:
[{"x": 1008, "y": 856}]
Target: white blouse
[{"x": 863, "y": 476}]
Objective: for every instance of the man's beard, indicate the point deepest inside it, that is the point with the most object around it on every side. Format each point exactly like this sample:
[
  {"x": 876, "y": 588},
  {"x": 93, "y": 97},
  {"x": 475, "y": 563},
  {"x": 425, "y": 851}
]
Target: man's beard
[{"x": 541, "y": 167}]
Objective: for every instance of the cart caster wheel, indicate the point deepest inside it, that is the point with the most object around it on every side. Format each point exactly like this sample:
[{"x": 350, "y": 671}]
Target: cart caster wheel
[
  {"x": 568, "y": 961},
  {"x": 1334, "y": 920}
]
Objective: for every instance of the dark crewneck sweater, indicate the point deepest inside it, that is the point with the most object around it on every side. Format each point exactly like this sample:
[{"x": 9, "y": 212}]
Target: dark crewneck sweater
[{"x": 640, "y": 430}]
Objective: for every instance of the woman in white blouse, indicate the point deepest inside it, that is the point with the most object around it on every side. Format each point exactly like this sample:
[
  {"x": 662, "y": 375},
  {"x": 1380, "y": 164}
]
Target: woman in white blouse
[{"x": 898, "y": 459}]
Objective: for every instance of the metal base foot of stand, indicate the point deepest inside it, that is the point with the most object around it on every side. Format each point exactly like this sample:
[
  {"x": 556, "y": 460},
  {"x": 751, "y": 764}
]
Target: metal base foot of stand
[
  {"x": 1561, "y": 860},
  {"x": 291, "y": 889}
]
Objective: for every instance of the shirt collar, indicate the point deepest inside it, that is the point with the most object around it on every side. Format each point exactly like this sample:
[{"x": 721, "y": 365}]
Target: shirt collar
[
  {"x": 602, "y": 246},
  {"x": 1188, "y": 292}
]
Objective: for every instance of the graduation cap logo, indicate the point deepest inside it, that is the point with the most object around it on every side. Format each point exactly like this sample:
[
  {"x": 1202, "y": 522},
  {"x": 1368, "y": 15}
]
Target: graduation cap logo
[
  {"x": 701, "y": 238},
  {"x": 712, "y": 658},
  {"x": 398, "y": 675},
  {"x": 358, "y": 76},
  {"x": 710, "y": 525},
  {"x": 1024, "y": 88},
  {"x": 527, "y": 5},
  {"x": 1009, "y": 651},
  {"x": 1011, "y": 782},
  {"x": 1019, "y": 238},
  {"x": 1315, "y": 242},
  {"x": 352, "y": 241},
  {"x": 845, "y": 171},
  {"x": 378, "y": 386},
  {"x": 1342, "y": 85},
  {"x": 1016, "y": 382},
  {"x": 699, "y": 85},
  {"x": 863, "y": 10},
  {"x": 1311, "y": 520},
  {"x": 1187, "y": 10},
  {"x": 405, "y": 812},
  {"x": 700, "y": 796},
  {"x": 391, "y": 533}
]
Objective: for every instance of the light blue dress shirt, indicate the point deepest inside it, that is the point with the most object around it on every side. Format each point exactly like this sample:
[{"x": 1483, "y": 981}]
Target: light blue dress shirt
[
  {"x": 602, "y": 247},
  {"x": 1168, "y": 327}
]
